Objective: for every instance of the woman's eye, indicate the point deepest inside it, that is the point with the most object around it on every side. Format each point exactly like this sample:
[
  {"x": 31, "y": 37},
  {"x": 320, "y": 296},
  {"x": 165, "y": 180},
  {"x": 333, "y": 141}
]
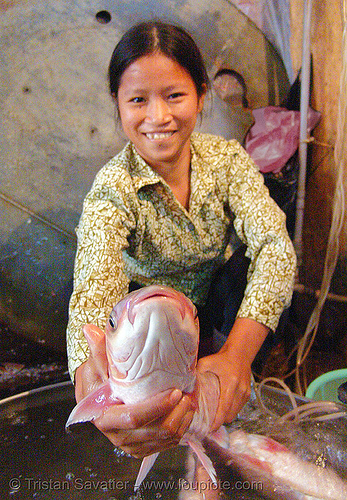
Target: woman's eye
[
  {"x": 137, "y": 100},
  {"x": 175, "y": 95}
]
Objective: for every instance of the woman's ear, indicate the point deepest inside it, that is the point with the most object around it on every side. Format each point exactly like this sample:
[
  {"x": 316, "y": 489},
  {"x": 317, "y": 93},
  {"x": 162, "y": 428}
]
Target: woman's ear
[
  {"x": 201, "y": 98},
  {"x": 115, "y": 100}
]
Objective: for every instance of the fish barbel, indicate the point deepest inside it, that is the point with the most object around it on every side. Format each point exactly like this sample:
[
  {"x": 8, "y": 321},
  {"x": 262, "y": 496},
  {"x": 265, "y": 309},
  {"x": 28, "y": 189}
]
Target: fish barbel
[{"x": 152, "y": 339}]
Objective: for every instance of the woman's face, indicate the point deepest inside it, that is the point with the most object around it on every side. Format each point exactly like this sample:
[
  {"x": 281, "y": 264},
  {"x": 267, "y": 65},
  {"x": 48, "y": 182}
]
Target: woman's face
[{"x": 158, "y": 106}]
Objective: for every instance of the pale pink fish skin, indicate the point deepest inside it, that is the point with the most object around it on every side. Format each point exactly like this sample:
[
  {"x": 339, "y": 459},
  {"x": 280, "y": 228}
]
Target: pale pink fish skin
[
  {"x": 153, "y": 344},
  {"x": 283, "y": 474}
]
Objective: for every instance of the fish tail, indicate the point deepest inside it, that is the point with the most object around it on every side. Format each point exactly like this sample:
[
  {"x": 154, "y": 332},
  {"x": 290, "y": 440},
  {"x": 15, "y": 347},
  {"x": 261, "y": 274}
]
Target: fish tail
[
  {"x": 204, "y": 459},
  {"x": 220, "y": 437},
  {"x": 146, "y": 465}
]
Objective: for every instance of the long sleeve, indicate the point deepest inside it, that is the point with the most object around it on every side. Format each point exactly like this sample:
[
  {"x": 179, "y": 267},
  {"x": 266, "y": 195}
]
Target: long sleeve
[
  {"x": 261, "y": 224},
  {"x": 99, "y": 279}
]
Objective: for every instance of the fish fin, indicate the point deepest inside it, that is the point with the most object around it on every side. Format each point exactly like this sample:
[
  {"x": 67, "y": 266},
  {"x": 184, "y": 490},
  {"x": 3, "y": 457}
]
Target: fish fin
[
  {"x": 92, "y": 406},
  {"x": 220, "y": 437},
  {"x": 197, "y": 447},
  {"x": 146, "y": 465},
  {"x": 97, "y": 345}
]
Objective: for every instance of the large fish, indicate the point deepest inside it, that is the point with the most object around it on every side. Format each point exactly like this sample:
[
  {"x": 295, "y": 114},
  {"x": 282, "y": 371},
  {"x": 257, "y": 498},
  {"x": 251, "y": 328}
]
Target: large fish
[
  {"x": 152, "y": 339},
  {"x": 281, "y": 473}
]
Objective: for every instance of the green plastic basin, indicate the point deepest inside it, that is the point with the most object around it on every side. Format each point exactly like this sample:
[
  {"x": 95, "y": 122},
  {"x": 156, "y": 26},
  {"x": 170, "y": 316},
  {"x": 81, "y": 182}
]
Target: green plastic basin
[{"x": 324, "y": 387}]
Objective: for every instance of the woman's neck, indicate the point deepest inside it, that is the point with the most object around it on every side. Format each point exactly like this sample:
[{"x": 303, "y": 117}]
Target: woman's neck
[
  {"x": 177, "y": 176},
  {"x": 179, "y": 182},
  {"x": 182, "y": 192}
]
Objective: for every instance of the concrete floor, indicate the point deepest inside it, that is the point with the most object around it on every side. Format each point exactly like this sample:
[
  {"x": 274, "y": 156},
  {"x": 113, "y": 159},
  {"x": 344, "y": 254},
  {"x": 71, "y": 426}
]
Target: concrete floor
[{"x": 26, "y": 364}]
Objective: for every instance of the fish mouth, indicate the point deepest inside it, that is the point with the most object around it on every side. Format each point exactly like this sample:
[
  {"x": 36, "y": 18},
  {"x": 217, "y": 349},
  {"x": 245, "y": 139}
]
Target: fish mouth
[{"x": 159, "y": 291}]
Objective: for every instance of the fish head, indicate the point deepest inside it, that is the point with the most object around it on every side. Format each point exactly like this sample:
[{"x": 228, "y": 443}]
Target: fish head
[{"x": 153, "y": 334}]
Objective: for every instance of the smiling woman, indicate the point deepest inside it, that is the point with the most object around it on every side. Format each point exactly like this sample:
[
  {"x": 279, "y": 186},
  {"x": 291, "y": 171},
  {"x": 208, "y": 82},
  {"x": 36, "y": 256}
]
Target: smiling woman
[
  {"x": 159, "y": 86},
  {"x": 162, "y": 212}
]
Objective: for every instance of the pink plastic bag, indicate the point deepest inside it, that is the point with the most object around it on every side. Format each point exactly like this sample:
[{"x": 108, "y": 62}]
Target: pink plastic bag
[{"x": 274, "y": 137}]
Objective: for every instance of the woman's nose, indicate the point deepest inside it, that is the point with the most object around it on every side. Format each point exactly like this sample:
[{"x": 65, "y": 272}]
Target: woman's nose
[{"x": 158, "y": 111}]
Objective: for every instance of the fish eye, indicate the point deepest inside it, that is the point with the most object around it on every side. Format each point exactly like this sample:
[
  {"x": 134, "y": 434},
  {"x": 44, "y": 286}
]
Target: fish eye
[{"x": 112, "y": 322}]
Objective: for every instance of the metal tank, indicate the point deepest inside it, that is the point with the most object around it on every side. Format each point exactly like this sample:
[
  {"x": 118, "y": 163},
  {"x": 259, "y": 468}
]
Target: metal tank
[{"x": 40, "y": 460}]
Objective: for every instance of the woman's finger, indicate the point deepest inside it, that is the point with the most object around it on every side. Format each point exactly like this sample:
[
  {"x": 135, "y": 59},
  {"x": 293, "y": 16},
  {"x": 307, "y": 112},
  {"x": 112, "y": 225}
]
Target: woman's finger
[
  {"x": 143, "y": 441},
  {"x": 180, "y": 417},
  {"x": 140, "y": 414}
]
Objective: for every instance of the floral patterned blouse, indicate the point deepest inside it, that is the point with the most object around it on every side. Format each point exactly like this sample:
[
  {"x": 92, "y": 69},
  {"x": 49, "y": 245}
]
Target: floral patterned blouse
[{"x": 132, "y": 228}]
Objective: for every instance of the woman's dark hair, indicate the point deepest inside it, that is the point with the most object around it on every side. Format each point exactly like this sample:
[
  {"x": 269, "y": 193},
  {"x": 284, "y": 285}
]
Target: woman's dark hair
[{"x": 148, "y": 37}]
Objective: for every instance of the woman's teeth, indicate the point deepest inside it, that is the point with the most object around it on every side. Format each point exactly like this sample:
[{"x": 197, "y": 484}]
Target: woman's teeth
[{"x": 159, "y": 135}]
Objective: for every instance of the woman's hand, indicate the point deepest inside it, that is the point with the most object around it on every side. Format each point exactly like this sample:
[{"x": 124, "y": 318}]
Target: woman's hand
[
  {"x": 139, "y": 429},
  {"x": 234, "y": 377},
  {"x": 150, "y": 426},
  {"x": 232, "y": 365}
]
